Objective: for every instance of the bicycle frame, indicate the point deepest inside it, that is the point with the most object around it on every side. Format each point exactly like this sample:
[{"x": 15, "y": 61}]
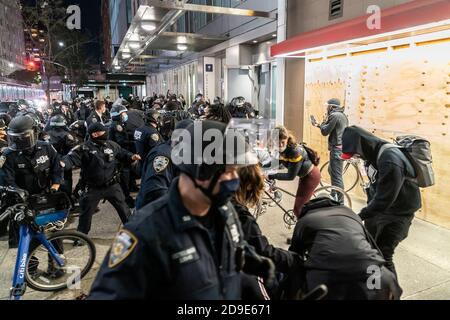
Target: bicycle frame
[{"x": 26, "y": 235}]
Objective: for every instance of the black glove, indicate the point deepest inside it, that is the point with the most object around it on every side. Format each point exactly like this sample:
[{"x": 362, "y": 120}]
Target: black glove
[{"x": 260, "y": 266}]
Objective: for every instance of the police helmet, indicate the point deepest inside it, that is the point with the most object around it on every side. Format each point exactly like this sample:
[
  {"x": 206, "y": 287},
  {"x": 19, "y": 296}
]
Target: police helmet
[
  {"x": 3, "y": 125},
  {"x": 238, "y": 101},
  {"x": 22, "y": 133},
  {"x": 205, "y": 166},
  {"x": 78, "y": 127},
  {"x": 117, "y": 110},
  {"x": 169, "y": 121},
  {"x": 58, "y": 121}
]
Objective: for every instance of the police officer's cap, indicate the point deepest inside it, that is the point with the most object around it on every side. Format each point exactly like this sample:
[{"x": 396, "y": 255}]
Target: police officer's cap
[{"x": 96, "y": 127}]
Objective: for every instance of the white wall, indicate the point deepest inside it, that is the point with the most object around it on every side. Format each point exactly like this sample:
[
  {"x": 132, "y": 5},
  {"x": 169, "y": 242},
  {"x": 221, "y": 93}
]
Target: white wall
[{"x": 239, "y": 84}]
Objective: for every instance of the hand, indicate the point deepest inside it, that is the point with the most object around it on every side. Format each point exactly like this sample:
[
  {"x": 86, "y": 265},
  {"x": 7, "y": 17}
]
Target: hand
[
  {"x": 136, "y": 157},
  {"x": 258, "y": 265}
]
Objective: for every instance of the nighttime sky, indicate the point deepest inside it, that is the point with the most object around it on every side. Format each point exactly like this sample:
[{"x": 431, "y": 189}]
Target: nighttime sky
[{"x": 90, "y": 21}]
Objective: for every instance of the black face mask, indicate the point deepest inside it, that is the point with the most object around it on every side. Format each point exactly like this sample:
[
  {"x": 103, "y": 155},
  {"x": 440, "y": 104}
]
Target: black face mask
[{"x": 101, "y": 138}]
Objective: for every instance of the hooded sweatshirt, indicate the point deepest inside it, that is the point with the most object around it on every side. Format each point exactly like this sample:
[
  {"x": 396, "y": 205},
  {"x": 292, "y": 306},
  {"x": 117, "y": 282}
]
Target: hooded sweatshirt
[
  {"x": 392, "y": 188},
  {"x": 334, "y": 127}
]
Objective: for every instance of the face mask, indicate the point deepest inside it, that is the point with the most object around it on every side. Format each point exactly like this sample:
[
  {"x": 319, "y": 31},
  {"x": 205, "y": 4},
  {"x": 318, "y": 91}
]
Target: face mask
[
  {"x": 227, "y": 190},
  {"x": 125, "y": 118},
  {"x": 101, "y": 138}
]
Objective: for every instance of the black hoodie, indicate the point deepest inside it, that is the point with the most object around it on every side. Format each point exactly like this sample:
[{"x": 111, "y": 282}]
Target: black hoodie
[{"x": 392, "y": 191}]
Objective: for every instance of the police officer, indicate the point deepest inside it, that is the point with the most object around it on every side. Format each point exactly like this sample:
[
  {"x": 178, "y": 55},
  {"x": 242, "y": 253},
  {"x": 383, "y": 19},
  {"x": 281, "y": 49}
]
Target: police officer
[
  {"x": 188, "y": 244},
  {"x": 148, "y": 136},
  {"x": 63, "y": 141},
  {"x": 67, "y": 113},
  {"x": 98, "y": 114},
  {"x": 29, "y": 164},
  {"x": 98, "y": 159},
  {"x": 158, "y": 171},
  {"x": 3, "y": 135},
  {"x": 119, "y": 134}
]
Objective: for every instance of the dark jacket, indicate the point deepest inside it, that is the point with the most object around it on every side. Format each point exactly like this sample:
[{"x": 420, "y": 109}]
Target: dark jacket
[
  {"x": 158, "y": 172},
  {"x": 392, "y": 190},
  {"x": 171, "y": 257},
  {"x": 334, "y": 127},
  {"x": 99, "y": 162},
  {"x": 94, "y": 117},
  {"x": 285, "y": 261},
  {"x": 146, "y": 138},
  {"x": 296, "y": 160},
  {"x": 119, "y": 134},
  {"x": 338, "y": 252},
  {"x": 62, "y": 140},
  {"x": 34, "y": 172}
]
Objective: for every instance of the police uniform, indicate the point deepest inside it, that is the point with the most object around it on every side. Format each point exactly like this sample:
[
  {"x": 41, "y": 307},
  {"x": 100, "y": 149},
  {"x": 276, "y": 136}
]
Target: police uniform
[
  {"x": 165, "y": 253},
  {"x": 94, "y": 118},
  {"x": 146, "y": 138},
  {"x": 158, "y": 172},
  {"x": 118, "y": 134},
  {"x": 99, "y": 168},
  {"x": 63, "y": 142},
  {"x": 35, "y": 171}
]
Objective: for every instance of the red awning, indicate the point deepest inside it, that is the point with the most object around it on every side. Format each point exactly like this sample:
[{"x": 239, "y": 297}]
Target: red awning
[{"x": 408, "y": 15}]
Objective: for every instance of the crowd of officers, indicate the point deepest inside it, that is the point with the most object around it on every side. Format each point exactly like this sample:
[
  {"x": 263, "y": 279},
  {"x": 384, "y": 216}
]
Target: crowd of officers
[{"x": 191, "y": 234}]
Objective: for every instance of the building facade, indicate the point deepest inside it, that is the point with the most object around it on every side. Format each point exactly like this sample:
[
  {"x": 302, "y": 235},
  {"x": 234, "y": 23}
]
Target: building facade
[{"x": 12, "y": 48}]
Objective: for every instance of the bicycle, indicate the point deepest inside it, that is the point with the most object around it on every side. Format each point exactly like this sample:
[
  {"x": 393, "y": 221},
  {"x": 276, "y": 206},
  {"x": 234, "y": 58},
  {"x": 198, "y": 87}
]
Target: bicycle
[
  {"x": 274, "y": 195},
  {"x": 46, "y": 262},
  {"x": 352, "y": 174}
]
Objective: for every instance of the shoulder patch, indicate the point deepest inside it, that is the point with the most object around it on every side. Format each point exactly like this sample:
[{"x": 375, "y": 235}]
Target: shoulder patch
[
  {"x": 70, "y": 137},
  {"x": 155, "y": 137},
  {"x": 160, "y": 163},
  {"x": 94, "y": 120},
  {"x": 119, "y": 128},
  {"x": 123, "y": 245}
]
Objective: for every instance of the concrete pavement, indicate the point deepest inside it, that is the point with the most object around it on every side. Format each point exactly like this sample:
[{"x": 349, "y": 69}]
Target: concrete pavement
[{"x": 422, "y": 260}]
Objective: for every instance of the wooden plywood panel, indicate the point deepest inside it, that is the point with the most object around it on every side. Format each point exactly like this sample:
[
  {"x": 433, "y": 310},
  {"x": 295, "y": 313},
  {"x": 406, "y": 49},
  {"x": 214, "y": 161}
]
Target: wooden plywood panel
[{"x": 398, "y": 93}]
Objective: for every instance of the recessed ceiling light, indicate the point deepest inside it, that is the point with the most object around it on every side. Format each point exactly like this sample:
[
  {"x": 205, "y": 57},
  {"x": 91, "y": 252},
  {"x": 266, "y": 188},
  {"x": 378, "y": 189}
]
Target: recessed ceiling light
[
  {"x": 134, "y": 45},
  {"x": 126, "y": 55},
  {"x": 274, "y": 35},
  {"x": 148, "y": 26},
  {"x": 117, "y": 67},
  {"x": 254, "y": 41},
  {"x": 182, "y": 47}
]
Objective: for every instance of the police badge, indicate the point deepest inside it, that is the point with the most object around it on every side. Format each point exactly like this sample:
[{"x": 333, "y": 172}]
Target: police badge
[
  {"x": 155, "y": 137},
  {"x": 123, "y": 245},
  {"x": 160, "y": 163}
]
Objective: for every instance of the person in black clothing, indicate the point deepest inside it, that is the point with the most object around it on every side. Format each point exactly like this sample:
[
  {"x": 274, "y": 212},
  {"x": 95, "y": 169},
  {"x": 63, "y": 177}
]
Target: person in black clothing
[
  {"x": 286, "y": 262},
  {"x": 3, "y": 135},
  {"x": 338, "y": 252},
  {"x": 333, "y": 126},
  {"x": 148, "y": 136},
  {"x": 82, "y": 112},
  {"x": 158, "y": 170},
  {"x": 299, "y": 163},
  {"x": 119, "y": 134},
  {"x": 63, "y": 141},
  {"x": 67, "y": 113},
  {"x": 218, "y": 112},
  {"x": 99, "y": 159},
  {"x": 188, "y": 245},
  {"x": 393, "y": 195},
  {"x": 98, "y": 115},
  {"x": 29, "y": 164}
]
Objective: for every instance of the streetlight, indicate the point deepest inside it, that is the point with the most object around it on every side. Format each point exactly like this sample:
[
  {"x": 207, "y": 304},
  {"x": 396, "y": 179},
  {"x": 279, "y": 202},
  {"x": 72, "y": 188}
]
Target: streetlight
[{"x": 61, "y": 44}]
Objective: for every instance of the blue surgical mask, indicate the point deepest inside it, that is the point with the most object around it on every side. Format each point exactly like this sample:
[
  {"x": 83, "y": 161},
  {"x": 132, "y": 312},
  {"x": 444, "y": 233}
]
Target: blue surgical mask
[
  {"x": 125, "y": 118},
  {"x": 227, "y": 190}
]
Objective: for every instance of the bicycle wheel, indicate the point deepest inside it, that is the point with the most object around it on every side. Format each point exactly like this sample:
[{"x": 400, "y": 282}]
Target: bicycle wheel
[
  {"x": 78, "y": 253},
  {"x": 350, "y": 174},
  {"x": 327, "y": 192}
]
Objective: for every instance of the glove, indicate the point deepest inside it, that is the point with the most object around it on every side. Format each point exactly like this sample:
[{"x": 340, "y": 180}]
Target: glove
[{"x": 260, "y": 266}]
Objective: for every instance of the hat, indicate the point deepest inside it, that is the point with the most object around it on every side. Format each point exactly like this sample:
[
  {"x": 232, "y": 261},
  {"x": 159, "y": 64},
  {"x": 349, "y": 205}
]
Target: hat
[
  {"x": 334, "y": 102},
  {"x": 96, "y": 127}
]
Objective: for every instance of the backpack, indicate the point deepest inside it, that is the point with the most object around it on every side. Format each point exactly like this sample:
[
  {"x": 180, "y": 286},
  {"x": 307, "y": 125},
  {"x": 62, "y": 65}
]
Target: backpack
[
  {"x": 313, "y": 156},
  {"x": 418, "y": 152}
]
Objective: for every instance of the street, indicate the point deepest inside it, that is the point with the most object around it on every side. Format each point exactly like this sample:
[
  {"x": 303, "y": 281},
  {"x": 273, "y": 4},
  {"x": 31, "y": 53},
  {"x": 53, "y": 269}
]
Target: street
[{"x": 423, "y": 267}]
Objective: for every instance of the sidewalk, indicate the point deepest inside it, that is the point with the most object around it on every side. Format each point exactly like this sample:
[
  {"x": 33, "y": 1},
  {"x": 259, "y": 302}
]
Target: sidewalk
[{"x": 422, "y": 260}]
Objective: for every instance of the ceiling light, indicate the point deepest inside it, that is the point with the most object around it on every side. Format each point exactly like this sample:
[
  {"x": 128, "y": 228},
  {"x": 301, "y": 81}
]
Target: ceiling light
[
  {"x": 182, "y": 47},
  {"x": 254, "y": 41},
  {"x": 11, "y": 65},
  {"x": 181, "y": 39},
  {"x": 134, "y": 45},
  {"x": 126, "y": 55},
  {"x": 117, "y": 67},
  {"x": 274, "y": 35},
  {"x": 148, "y": 26},
  {"x": 126, "y": 50}
]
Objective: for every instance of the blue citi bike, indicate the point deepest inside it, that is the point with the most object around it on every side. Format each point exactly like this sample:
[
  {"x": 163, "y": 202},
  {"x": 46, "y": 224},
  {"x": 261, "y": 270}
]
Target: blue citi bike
[{"x": 48, "y": 257}]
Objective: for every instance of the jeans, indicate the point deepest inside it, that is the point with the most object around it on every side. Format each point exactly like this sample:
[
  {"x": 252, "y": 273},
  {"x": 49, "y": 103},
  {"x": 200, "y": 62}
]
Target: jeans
[{"x": 335, "y": 170}]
